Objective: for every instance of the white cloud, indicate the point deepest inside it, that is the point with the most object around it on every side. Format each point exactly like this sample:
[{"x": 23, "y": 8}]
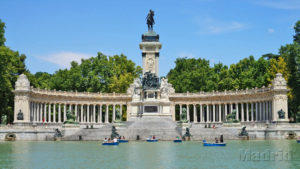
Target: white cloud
[
  {"x": 271, "y": 30},
  {"x": 212, "y": 26},
  {"x": 279, "y": 4},
  {"x": 63, "y": 59}
]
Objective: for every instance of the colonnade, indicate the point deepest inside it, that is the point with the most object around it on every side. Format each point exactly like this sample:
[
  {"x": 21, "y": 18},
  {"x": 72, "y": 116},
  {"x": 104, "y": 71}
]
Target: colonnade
[
  {"x": 256, "y": 111},
  {"x": 45, "y": 112}
]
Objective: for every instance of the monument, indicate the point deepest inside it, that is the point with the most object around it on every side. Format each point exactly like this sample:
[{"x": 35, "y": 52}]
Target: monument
[{"x": 150, "y": 96}]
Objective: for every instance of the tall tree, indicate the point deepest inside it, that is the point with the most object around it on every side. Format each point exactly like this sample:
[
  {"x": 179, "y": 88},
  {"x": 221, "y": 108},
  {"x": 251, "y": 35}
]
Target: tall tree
[
  {"x": 297, "y": 32},
  {"x": 2, "y": 31}
]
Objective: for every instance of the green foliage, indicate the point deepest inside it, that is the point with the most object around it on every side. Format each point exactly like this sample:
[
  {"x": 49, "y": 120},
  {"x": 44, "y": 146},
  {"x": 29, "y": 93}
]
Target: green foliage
[
  {"x": 196, "y": 75},
  {"x": 11, "y": 65},
  {"x": 231, "y": 118},
  {"x": 96, "y": 74},
  {"x": 2, "y": 31},
  {"x": 297, "y": 32}
]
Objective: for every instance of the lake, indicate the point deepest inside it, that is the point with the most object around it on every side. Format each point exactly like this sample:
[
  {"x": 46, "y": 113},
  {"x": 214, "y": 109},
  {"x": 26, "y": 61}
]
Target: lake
[{"x": 161, "y": 155}]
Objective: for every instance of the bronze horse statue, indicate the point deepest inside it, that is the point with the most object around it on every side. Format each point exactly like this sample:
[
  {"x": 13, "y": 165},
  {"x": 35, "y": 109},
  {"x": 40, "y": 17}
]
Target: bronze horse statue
[{"x": 150, "y": 20}]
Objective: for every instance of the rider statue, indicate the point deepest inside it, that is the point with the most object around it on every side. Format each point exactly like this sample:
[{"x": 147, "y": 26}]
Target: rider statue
[{"x": 150, "y": 20}]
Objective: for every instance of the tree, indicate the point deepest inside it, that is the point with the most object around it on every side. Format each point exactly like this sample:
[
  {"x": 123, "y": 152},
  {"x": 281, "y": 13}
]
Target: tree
[
  {"x": 297, "y": 32},
  {"x": 2, "y": 31},
  {"x": 96, "y": 74}
]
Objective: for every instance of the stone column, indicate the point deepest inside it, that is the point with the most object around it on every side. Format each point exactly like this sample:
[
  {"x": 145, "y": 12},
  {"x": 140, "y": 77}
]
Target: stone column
[
  {"x": 81, "y": 114},
  {"x": 252, "y": 113},
  {"x": 100, "y": 114},
  {"x": 76, "y": 114},
  {"x": 45, "y": 112},
  {"x": 214, "y": 113},
  {"x": 220, "y": 113},
  {"x": 106, "y": 114},
  {"x": 94, "y": 113},
  {"x": 59, "y": 112},
  {"x": 195, "y": 113},
  {"x": 49, "y": 113},
  {"x": 270, "y": 110},
  {"x": 208, "y": 113},
  {"x": 242, "y": 112},
  {"x": 261, "y": 111},
  {"x": 225, "y": 106},
  {"x": 180, "y": 111},
  {"x": 88, "y": 113},
  {"x": 34, "y": 110},
  {"x": 237, "y": 111},
  {"x": 247, "y": 112},
  {"x": 231, "y": 108},
  {"x": 201, "y": 113},
  {"x": 39, "y": 111},
  {"x": 188, "y": 112},
  {"x": 54, "y": 113},
  {"x": 256, "y": 111},
  {"x": 65, "y": 112},
  {"x": 114, "y": 113}
]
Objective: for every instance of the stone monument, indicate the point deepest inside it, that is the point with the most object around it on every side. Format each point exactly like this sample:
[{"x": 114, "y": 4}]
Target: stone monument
[{"x": 150, "y": 94}]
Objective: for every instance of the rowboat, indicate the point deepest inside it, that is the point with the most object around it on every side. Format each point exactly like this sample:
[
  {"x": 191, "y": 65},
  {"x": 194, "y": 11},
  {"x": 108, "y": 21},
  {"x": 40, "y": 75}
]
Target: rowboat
[
  {"x": 111, "y": 144},
  {"x": 213, "y": 144},
  {"x": 177, "y": 141},
  {"x": 298, "y": 141},
  {"x": 123, "y": 141},
  {"x": 151, "y": 140}
]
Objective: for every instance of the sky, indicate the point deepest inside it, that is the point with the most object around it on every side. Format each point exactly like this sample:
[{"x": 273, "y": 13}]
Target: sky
[{"x": 52, "y": 33}]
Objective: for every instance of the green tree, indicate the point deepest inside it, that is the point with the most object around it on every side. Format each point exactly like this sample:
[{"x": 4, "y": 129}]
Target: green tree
[
  {"x": 2, "y": 31},
  {"x": 297, "y": 32}
]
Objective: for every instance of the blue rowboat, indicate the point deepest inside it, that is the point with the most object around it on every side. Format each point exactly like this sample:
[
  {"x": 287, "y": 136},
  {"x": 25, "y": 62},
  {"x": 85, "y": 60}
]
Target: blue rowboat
[
  {"x": 177, "y": 141},
  {"x": 298, "y": 141},
  {"x": 111, "y": 144},
  {"x": 213, "y": 144},
  {"x": 123, "y": 141},
  {"x": 152, "y": 140}
]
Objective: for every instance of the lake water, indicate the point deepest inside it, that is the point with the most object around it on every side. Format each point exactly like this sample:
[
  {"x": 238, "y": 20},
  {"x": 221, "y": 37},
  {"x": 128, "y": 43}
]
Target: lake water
[{"x": 161, "y": 155}]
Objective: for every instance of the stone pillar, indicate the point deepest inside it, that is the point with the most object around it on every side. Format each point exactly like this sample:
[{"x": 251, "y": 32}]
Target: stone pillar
[
  {"x": 237, "y": 111},
  {"x": 21, "y": 101},
  {"x": 256, "y": 111},
  {"x": 201, "y": 113},
  {"x": 195, "y": 113},
  {"x": 106, "y": 114},
  {"x": 76, "y": 114},
  {"x": 88, "y": 113},
  {"x": 252, "y": 113},
  {"x": 225, "y": 106},
  {"x": 49, "y": 113},
  {"x": 231, "y": 108},
  {"x": 214, "y": 113},
  {"x": 261, "y": 111},
  {"x": 94, "y": 113},
  {"x": 242, "y": 112},
  {"x": 65, "y": 112},
  {"x": 34, "y": 110},
  {"x": 54, "y": 113},
  {"x": 114, "y": 113},
  {"x": 100, "y": 114},
  {"x": 180, "y": 111},
  {"x": 59, "y": 112},
  {"x": 38, "y": 112},
  {"x": 188, "y": 112},
  {"x": 220, "y": 113},
  {"x": 208, "y": 113},
  {"x": 81, "y": 114},
  {"x": 247, "y": 112},
  {"x": 267, "y": 111},
  {"x": 45, "y": 112},
  {"x": 270, "y": 110}
]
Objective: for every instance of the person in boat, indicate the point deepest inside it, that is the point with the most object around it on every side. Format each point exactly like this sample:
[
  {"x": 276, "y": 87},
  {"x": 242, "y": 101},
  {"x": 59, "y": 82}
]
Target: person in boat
[
  {"x": 153, "y": 137},
  {"x": 109, "y": 140},
  {"x": 123, "y": 138},
  {"x": 105, "y": 140},
  {"x": 177, "y": 138},
  {"x": 221, "y": 139},
  {"x": 115, "y": 140},
  {"x": 217, "y": 141}
]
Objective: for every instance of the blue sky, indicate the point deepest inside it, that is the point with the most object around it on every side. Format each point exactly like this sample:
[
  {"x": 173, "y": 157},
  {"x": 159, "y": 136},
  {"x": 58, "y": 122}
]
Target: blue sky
[{"x": 54, "y": 32}]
